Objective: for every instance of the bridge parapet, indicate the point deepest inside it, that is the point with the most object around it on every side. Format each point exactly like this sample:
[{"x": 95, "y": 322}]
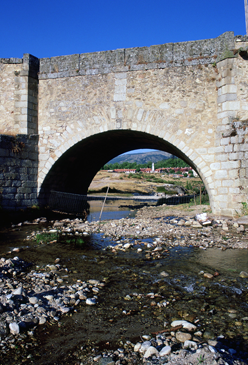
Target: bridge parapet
[{"x": 141, "y": 58}]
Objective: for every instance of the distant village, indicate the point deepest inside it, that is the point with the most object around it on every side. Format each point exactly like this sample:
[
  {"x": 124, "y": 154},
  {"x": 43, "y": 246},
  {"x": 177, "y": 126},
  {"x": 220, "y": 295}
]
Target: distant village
[{"x": 172, "y": 171}]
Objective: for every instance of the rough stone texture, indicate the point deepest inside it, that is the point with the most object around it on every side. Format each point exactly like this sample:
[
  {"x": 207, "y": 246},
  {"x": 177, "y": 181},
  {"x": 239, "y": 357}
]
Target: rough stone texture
[
  {"x": 18, "y": 171},
  {"x": 188, "y": 98},
  {"x": 136, "y": 59},
  {"x": 8, "y": 73}
]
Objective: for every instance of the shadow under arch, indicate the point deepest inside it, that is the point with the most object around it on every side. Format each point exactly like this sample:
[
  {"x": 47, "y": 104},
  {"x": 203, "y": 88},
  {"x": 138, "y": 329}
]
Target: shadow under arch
[{"x": 76, "y": 168}]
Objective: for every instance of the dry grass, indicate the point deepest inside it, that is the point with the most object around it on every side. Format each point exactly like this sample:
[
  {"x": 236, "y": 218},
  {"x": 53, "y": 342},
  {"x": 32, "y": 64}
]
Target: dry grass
[{"x": 121, "y": 183}]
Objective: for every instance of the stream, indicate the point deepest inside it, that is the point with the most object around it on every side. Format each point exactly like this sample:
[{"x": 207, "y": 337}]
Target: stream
[{"x": 140, "y": 296}]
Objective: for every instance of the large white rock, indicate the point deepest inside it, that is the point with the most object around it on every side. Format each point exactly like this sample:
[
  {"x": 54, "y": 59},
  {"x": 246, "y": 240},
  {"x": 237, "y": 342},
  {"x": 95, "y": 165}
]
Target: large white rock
[
  {"x": 91, "y": 301},
  {"x": 48, "y": 297},
  {"x": 166, "y": 350},
  {"x": 183, "y": 336},
  {"x": 94, "y": 282},
  {"x": 151, "y": 351},
  {"x": 42, "y": 320},
  {"x": 14, "y": 328},
  {"x": 18, "y": 291},
  {"x": 187, "y": 325},
  {"x": 190, "y": 345},
  {"x": 64, "y": 309},
  {"x": 145, "y": 345},
  {"x": 146, "y": 337},
  {"x": 126, "y": 246},
  {"x": 33, "y": 300},
  {"x": 164, "y": 274},
  {"x": 137, "y": 347}
]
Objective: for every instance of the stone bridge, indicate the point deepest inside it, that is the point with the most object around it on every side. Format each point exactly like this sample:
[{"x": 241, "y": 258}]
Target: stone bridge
[{"x": 64, "y": 117}]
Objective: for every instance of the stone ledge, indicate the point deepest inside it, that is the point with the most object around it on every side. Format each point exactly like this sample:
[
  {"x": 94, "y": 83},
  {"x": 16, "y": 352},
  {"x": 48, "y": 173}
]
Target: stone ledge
[{"x": 132, "y": 59}]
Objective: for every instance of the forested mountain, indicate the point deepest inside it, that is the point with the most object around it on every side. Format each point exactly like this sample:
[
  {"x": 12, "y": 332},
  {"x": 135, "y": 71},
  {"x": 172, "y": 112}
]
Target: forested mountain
[
  {"x": 141, "y": 158},
  {"x": 169, "y": 162}
]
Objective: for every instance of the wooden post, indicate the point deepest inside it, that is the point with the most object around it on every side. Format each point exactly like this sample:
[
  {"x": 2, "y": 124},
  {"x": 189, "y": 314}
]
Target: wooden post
[
  {"x": 246, "y": 16},
  {"x": 103, "y": 204}
]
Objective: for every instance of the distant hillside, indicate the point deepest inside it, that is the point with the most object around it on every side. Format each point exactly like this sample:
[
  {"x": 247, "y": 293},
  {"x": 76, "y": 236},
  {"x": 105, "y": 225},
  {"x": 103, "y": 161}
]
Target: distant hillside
[{"x": 142, "y": 158}]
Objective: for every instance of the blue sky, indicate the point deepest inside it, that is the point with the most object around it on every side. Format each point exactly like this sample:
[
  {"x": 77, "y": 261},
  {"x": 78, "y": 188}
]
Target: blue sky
[{"x": 53, "y": 28}]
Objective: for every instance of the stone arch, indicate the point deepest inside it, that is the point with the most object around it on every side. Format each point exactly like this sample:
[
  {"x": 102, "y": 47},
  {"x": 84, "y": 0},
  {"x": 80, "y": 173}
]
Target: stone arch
[
  {"x": 151, "y": 121},
  {"x": 78, "y": 160}
]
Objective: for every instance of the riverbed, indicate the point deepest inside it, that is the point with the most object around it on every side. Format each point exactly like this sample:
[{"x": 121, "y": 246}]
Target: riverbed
[{"x": 176, "y": 272}]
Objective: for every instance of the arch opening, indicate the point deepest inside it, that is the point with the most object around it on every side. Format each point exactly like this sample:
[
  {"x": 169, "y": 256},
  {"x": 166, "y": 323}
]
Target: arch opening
[{"x": 76, "y": 168}]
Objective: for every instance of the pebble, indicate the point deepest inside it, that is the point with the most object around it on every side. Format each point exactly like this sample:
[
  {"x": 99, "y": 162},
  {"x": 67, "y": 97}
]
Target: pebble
[
  {"x": 151, "y": 351},
  {"x": 146, "y": 337},
  {"x": 144, "y": 227},
  {"x": 166, "y": 350},
  {"x": 212, "y": 349},
  {"x": 187, "y": 325},
  {"x": 183, "y": 336},
  {"x": 137, "y": 347},
  {"x": 243, "y": 274},
  {"x": 33, "y": 300},
  {"x": 190, "y": 345},
  {"x": 18, "y": 291},
  {"x": 208, "y": 275},
  {"x": 39, "y": 307},
  {"x": 144, "y": 346},
  {"x": 14, "y": 328},
  {"x": 91, "y": 301},
  {"x": 164, "y": 274}
]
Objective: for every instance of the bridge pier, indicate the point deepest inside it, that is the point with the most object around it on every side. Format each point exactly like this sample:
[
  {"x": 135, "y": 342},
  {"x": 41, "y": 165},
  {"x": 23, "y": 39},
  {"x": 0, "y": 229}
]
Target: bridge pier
[{"x": 26, "y": 96}]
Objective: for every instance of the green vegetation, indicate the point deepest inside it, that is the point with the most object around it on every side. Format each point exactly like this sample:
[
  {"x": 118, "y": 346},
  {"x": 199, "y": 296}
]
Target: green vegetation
[
  {"x": 204, "y": 200},
  {"x": 244, "y": 208},
  {"x": 78, "y": 241},
  {"x": 162, "y": 189},
  {"x": 171, "y": 162},
  {"x": 200, "y": 359},
  {"x": 188, "y": 186},
  {"x": 46, "y": 237}
]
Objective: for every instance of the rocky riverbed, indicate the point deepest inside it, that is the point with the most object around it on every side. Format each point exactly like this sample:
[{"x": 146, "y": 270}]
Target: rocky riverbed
[
  {"x": 167, "y": 231},
  {"x": 179, "y": 319}
]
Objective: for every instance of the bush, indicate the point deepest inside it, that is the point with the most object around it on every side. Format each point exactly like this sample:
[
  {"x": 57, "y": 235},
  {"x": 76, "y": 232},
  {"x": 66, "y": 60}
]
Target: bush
[{"x": 188, "y": 186}]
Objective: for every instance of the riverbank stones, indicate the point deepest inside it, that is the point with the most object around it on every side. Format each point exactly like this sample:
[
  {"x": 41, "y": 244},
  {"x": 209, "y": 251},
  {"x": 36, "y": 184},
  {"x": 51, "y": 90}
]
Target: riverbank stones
[
  {"x": 186, "y": 325},
  {"x": 183, "y": 336}
]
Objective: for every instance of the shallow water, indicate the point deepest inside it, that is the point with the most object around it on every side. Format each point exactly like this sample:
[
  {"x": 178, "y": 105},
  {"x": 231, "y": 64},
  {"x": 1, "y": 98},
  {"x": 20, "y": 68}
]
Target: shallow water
[
  {"x": 127, "y": 308},
  {"x": 113, "y": 209}
]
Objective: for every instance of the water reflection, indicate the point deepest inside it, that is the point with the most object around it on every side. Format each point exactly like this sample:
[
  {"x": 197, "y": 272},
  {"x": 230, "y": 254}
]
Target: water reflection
[
  {"x": 230, "y": 260},
  {"x": 113, "y": 209}
]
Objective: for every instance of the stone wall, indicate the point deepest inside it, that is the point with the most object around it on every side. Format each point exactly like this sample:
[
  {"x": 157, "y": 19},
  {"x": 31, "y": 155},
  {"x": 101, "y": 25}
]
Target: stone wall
[
  {"x": 141, "y": 58},
  {"x": 231, "y": 152},
  {"x": 19, "y": 95},
  {"x": 185, "y": 94},
  {"x": 175, "y": 104},
  {"x": 18, "y": 171},
  {"x": 9, "y": 68},
  {"x": 188, "y": 98}
]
